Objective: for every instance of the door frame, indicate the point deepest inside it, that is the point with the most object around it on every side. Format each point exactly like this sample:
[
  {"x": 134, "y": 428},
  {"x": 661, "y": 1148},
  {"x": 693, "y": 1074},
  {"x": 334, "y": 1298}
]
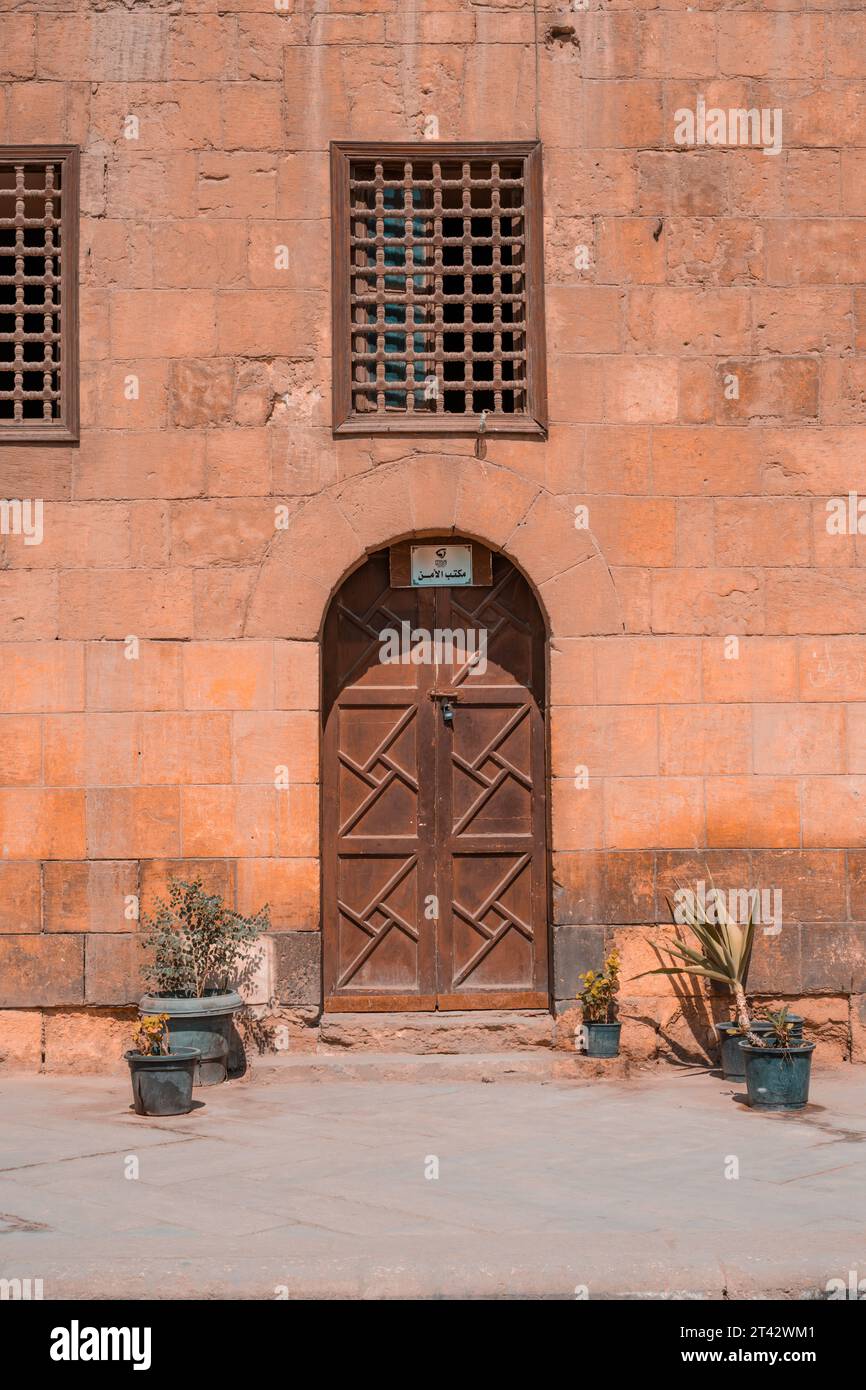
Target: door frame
[{"x": 533, "y": 1000}]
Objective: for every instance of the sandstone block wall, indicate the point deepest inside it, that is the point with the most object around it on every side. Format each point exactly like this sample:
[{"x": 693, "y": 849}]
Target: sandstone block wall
[{"x": 670, "y": 271}]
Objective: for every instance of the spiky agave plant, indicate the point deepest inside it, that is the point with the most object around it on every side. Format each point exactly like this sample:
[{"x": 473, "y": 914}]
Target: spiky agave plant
[{"x": 723, "y": 952}]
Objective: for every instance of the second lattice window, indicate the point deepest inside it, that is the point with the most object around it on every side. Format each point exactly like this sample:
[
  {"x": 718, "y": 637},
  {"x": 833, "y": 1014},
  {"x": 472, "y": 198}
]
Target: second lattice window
[{"x": 438, "y": 313}]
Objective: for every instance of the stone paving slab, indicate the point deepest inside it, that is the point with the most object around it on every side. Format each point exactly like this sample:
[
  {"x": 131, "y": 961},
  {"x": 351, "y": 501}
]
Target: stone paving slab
[{"x": 545, "y": 1184}]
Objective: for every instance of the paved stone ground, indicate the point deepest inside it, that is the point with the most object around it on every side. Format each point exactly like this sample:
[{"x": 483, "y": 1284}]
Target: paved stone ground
[{"x": 307, "y": 1177}]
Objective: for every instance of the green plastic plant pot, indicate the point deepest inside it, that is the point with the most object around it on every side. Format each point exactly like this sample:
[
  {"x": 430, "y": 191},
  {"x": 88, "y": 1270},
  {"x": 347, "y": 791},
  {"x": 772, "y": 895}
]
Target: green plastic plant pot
[
  {"x": 730, "y": 1037},
  {"x": 602, "y": 1039},
  {"x": 162, "y": 1085},
  {"x": 204, "y": 1024},
  {"x": 777, "y": 1078}
]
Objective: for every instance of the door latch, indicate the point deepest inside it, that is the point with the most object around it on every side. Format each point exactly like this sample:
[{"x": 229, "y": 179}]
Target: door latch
[{"x": 447, "y": 702}]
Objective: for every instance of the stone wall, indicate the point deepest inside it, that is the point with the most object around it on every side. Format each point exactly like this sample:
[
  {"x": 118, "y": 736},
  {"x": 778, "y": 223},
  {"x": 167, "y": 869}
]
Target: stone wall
[{"x": 671, "y": 272}]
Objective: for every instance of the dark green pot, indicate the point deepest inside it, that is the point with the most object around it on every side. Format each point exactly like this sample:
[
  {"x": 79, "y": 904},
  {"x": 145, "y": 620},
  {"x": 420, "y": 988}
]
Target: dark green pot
[
  {"x": 162, "y": 1085},
  {"x": 602, "y": 1039},
  {"x": 204, "y": 1024},
  {"x": 733, "y": 1066},
  {"x": 777, "y": 1078}
]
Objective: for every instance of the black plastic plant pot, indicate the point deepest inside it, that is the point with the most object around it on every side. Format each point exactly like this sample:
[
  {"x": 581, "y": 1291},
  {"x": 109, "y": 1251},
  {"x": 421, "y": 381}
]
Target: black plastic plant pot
[
  {"x": 204, "y": 1024},
  {"x": 730, "y": 1037},
  {"x": 162, "y": 1085},
  {"x": 777, "y": 1078},
  {"x": 602, "y": 1039}
]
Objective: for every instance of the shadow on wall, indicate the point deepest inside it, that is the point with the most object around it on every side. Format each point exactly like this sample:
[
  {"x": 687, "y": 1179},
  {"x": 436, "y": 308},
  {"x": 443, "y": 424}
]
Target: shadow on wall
[
  {"x": 248, "y": 1034},
  {"x": 679, "y": 1027},
  {"x": 694, "y": 1040}
]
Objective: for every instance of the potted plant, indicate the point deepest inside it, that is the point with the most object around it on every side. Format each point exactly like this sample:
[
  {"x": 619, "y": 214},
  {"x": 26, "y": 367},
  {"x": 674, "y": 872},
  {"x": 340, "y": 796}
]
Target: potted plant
[
  {"x": 778, "y": 1065},
  {"x": 723, "y": 954},
  {"x": 597, "y": 999},
  {"x": 161, "y": 1078},
  {"x": 197, "y": 952}
]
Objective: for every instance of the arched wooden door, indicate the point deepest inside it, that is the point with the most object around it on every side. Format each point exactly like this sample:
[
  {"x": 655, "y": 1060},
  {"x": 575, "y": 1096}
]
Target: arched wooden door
[{"x": 434, "y": 838}]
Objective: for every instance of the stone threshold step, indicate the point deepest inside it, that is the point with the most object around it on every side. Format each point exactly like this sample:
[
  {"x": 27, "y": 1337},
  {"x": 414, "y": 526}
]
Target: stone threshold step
[
  {"x": 471, "y": 1031},
  {"x": 542, "y": 1065}
]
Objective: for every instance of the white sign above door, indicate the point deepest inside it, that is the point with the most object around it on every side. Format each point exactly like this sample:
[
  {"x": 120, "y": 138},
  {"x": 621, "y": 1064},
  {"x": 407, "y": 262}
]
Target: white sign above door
[{"x": 441, "y": 564}]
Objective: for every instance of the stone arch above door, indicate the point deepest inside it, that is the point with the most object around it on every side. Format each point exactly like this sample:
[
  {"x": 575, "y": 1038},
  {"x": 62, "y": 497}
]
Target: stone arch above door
[{"x": 328, "y": 536}]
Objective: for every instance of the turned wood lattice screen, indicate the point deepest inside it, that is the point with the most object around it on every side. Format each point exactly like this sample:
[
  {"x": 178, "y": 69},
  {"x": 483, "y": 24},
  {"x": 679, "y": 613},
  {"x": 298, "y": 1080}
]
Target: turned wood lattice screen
[
  {"x": 438, "y": 307},
  {"x": 38, "y": 293}
]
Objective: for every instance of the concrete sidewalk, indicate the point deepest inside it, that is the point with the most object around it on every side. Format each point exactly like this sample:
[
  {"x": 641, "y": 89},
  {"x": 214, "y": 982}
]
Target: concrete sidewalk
[{"x": 306, "y": 1180}]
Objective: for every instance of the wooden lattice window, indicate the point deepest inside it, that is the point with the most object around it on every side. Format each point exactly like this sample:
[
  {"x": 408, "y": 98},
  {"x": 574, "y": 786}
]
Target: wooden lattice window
[
  {"x": 38, "y": 293},
  {"x": 438, "y": 288}
]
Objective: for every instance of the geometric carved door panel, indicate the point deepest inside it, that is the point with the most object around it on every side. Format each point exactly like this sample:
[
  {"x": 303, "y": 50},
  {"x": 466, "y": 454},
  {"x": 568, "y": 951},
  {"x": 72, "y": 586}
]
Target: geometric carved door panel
[{"x": 434, "y": 849}]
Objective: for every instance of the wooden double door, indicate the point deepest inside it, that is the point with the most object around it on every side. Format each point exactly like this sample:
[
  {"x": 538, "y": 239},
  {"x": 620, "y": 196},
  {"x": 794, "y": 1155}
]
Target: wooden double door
[{"x": 434, "y": 836}]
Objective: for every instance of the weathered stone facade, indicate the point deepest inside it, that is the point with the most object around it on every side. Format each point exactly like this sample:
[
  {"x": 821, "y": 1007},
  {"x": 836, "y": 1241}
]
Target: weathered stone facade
[{"x": 670, "y": 272}]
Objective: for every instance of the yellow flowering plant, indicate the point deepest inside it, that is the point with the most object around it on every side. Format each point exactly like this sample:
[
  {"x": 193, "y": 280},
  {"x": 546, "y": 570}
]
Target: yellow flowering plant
[
  {"x": 151, "y": 1036},
  {"x": 597, "y": 997}
]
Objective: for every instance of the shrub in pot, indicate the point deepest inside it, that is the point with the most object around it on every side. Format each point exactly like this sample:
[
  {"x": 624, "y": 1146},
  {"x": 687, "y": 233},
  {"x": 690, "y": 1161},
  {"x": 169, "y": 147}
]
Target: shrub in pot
[
  {"x": 161, "y": 1077},
  {"x": 597, "y": 998},
  {"x": 197, "y": 951},
  {"x": 723, "y": 953},
  {"x": 778, "y": 1065}
]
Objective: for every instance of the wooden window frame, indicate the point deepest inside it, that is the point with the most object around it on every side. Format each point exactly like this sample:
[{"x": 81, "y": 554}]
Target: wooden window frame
[
  {"x": 65, "y": 429},
  {"x": 529, "y": 424}
]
